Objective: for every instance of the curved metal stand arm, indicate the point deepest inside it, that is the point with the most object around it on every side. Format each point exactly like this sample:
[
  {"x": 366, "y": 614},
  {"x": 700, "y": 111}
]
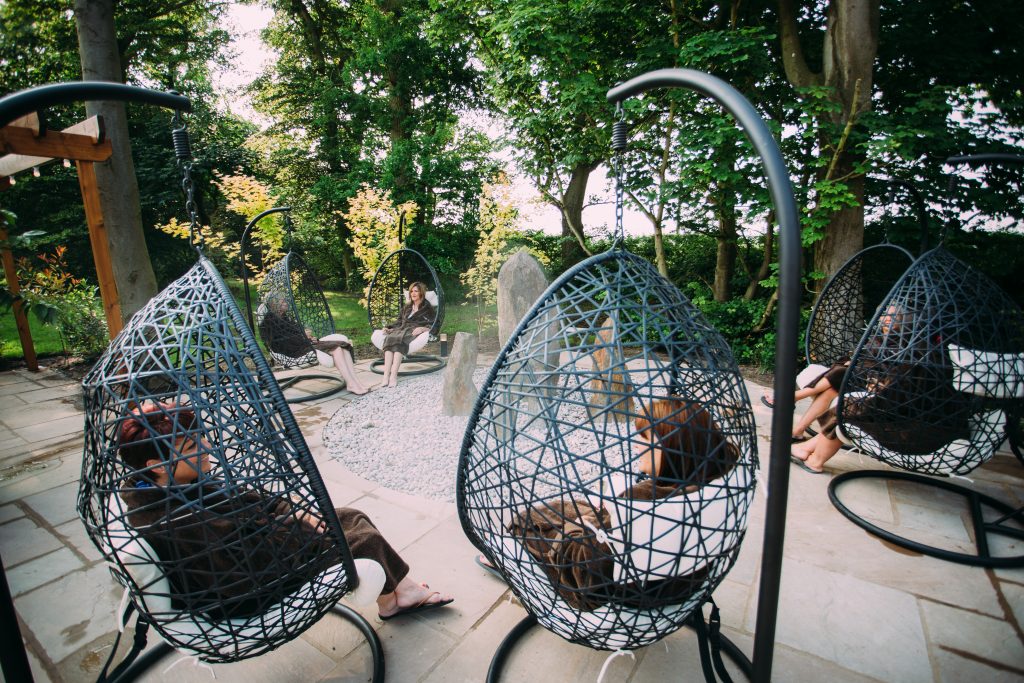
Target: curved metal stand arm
[
  {"x": 243, "y": 245},
  {"x": 711, "y": 646},
  {"x": 27, "y": 101},
  {"x": 161, "y": 649},
  {"x": 974, "y": 500},
  {"x": 784, "y": 203}
]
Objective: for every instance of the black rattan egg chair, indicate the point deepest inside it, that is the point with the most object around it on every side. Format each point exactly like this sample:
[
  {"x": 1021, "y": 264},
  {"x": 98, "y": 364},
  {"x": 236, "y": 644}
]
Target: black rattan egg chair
[
  {"x": 547, "y": 488},
  {"x": 387, "y": 295},
  {"x": 931, "y": 387},
  {"x": 849, "y": 299},
  {"x": 291, "y": 289},
  {"x": 854, "y": 292},
  {"x": 188, "y": 356}
]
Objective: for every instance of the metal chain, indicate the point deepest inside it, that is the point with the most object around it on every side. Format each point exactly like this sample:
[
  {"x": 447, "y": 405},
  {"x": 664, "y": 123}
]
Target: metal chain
[
  {"x": 618, "y": 145},
  {"x": 183, "y": 152}
]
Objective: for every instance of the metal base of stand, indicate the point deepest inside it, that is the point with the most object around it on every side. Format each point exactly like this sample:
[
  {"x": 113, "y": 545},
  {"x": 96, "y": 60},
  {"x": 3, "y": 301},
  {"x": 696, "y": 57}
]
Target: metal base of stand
[
  {"x": 155, "y": 654},
  {"x": 974, "y": 500},
  {"x": 711, "y": 647},
  {"x": 435, "y": 364},
  {"x": 290, "y": 382}
]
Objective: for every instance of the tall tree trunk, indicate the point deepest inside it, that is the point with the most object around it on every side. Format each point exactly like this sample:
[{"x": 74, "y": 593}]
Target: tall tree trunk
[
  {"x": 399, "y": 109},
  {"x": 725, "y": 259},
  {"x": 766, "y": 259},
  {"x": 573, "y": 244},
  {"x": 118, "y": 187},
  {"x": 848, "y": 52}
]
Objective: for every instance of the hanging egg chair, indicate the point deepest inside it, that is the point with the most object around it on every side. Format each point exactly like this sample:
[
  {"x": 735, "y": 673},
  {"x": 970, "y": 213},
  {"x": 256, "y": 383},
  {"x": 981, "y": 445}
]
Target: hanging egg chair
[
  {"x": 609, "y": 464},
  {"x": 389, "y": 293},
  {"x": 849, "y": 299},
  {"x": 931, "y": 387},
  {"x": 188, "y": 362},
  {"x": 291, "y": 314}
]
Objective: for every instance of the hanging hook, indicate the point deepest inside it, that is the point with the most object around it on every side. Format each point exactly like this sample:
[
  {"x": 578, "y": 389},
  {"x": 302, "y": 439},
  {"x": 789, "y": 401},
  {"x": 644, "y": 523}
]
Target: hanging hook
[{"x": 288, "y": 225}]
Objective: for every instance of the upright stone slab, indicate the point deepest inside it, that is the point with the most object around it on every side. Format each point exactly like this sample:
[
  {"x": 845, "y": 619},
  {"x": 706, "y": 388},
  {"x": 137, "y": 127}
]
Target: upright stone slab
[
  {"x": 521, "y": 281},
  {"x": 458, "y": 396}
]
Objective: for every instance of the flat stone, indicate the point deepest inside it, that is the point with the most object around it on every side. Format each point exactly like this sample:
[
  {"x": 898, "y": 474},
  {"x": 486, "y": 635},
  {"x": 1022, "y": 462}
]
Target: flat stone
[
  {"x": 74, "y": 536},
  {"x": 949, "y": 523},
  {"x": 734, "y": 601},
  {"x": 62, "y": 626},
  {"x": 42, "y": 570},
  {"x": 400, "y": 530},
  {"x": 28, "y": 414},
  {"x": 415, "y": 649},
  {"x": 953, "y": 668},
  {"x": 9, "y": 402},
  {"x": 48, "y": 393},
  {"x": 297, "y": 660},
  {"x": 987, "y": 639},
  {"x": 818, "y": 535},
  {"x": 22, "y": 540},
  {"x": 56, "y": 505},
  {"x": 870, "y": 498},
  {"x": 858, "y": 625},
  {"x": 44, "y": 475},
  {"x": 444, "y": 559},
  {"x": 10, "y": 512},
  {"x": 49, "y": 430}
]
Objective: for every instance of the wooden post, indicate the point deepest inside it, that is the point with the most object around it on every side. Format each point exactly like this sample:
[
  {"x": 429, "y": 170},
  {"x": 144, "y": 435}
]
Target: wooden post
[
  {"x": 24, "y": 333},
  {"x": 100, "y": 245}
]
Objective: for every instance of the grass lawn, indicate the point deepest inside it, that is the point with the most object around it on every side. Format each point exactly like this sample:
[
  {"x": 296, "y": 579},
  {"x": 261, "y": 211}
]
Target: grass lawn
[
  {"x": 44, "y": 337},
  {"x": 349, "y": 319}
]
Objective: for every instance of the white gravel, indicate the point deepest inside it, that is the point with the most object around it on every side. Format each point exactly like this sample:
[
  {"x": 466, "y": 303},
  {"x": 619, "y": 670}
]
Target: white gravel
[{"x": 398, "y": 437}]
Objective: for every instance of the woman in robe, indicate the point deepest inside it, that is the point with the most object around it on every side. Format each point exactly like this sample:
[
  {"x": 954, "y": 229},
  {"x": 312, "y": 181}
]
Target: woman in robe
[
  {"x": 283, "y": 334},
  {"x": 221, "y": 543},
  {"x": 415, "y": 318}
]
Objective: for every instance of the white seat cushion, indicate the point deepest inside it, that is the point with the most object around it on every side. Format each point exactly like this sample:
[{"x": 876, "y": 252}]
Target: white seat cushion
[
  {"x": 985, "y": 373},
  {"x": 326, "y": 359},
  {"x": 676, "y": 536},
  {"x": 415, "y": 345},
  {"x": 809, "y": 374}
]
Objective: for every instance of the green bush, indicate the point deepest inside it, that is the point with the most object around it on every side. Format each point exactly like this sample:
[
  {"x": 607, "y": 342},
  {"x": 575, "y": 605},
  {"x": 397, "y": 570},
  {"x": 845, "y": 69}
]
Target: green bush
[{"x": 81, "y": 323}]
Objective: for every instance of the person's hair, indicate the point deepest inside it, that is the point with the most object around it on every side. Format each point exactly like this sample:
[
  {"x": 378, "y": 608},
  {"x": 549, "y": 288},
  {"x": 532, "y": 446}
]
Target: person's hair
[
  {"x": 138, "y": 439},
  {"x": 420, "y": 286},
  {"x": 693, "y": 448}
]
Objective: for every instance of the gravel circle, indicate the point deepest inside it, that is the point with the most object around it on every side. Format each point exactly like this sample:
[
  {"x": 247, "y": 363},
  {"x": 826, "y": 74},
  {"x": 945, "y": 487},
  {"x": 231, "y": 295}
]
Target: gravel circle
[{"x": 399, "y": 439}]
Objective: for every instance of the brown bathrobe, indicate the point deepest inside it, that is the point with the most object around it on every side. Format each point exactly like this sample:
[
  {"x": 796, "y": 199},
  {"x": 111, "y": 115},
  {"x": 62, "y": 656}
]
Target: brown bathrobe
[
  {"x": 221, "y": 550},
  {"x": 284, "y": 335},
  {"x": 398, "y": 336}
]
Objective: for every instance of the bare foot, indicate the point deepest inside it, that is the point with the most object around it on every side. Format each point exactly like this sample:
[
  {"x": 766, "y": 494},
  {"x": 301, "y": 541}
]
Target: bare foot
[
  {"x": 358, "y": 391},
  {"x": 393, "y": 382},
  {"x": 800, "y": 454},
  {"x": 410, "y": 595}
]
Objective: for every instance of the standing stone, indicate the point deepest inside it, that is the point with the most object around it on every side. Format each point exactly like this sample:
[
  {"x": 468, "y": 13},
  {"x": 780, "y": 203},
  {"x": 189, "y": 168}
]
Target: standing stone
[
  {"x": 521, "y": 281},
  {"x": 458, "y": 396}
]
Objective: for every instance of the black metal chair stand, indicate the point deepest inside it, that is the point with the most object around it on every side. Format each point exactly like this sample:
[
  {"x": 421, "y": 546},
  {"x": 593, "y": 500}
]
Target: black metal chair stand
[
  {"x": 711, "y": 643},
  {"x": 141, "y": 665},
  {"x": 976, "y": 503}
]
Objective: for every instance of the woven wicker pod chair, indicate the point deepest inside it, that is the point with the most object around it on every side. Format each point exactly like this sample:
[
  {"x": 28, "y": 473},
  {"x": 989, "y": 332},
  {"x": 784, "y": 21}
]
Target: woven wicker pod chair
[
  {"x": 932, "y": 386},
  {"x": 190, "y": 348}
]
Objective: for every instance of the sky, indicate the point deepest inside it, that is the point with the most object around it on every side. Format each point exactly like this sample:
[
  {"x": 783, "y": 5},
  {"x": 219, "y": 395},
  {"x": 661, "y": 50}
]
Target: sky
[{"x": 244, "y": 23}]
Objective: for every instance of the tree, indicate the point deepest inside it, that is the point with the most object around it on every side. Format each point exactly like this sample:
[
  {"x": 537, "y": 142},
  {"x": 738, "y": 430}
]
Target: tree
[
  {"x": 115, "y": 178},
  {"x": 377, "y": 225},
  {"x": 848, "y": 49},
  {"x": 549, "y": 66}
]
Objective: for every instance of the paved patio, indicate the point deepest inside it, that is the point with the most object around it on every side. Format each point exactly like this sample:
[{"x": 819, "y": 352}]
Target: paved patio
[{"x": 852, "y": 608}]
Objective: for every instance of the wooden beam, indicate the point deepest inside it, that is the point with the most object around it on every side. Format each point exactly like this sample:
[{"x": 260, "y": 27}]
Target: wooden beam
[
  {"x": 100, "y": 246},
  {"x": 20, "y": 320},
  {"x": 32, "y": 121},
  {"x": 16, "y": 163},
  {"x": 56, "y": 145}
]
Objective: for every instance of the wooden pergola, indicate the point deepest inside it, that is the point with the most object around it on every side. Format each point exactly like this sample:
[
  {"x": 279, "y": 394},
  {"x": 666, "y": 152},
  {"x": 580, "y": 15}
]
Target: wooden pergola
[{"x": 25, "y": 144}]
